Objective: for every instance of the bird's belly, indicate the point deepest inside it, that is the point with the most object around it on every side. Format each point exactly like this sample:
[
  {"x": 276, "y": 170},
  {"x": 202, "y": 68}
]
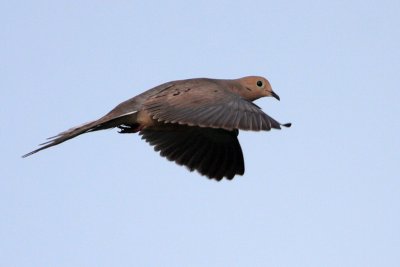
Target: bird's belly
[{"x": 145, "y": 119}]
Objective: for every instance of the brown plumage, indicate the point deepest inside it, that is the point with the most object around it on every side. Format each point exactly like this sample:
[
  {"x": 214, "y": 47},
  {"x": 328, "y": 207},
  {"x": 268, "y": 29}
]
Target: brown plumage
[{"x": 193, "y": 122}]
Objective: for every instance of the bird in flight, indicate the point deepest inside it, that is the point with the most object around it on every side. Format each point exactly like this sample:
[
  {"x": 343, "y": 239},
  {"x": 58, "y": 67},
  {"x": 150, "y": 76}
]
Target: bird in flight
[{"x": 194, "y": 122}]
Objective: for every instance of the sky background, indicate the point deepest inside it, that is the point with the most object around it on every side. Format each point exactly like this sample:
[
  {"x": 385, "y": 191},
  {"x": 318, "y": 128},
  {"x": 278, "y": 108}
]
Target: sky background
[{"x": 325, "y": 192}]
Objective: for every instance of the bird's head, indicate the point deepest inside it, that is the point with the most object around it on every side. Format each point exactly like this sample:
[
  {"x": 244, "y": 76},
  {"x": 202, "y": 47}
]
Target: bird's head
[{"x": 254, "y": 87}]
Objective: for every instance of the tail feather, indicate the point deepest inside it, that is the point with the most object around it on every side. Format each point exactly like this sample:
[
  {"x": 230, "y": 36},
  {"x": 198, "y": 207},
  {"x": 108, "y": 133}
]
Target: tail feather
[
  {"x": 64, "y": 136},
  {"x": 103, "y": 123}
]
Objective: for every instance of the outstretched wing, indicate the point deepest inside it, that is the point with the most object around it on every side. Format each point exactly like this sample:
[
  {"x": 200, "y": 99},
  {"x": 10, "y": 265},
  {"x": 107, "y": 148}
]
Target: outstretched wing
[
  {"x": 215, "y": 153},
  {"x": 207, "y": 104}
]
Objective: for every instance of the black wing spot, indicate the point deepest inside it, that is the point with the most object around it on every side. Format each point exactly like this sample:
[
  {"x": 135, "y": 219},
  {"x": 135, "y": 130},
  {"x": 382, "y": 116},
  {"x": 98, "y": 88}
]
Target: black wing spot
[{"x": 159, "y": 95}]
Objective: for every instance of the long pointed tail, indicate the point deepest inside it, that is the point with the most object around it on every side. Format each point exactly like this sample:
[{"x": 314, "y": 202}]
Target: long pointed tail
[
  {"x": 103, "y": 123},
  {"x": 64, "y": 136}
]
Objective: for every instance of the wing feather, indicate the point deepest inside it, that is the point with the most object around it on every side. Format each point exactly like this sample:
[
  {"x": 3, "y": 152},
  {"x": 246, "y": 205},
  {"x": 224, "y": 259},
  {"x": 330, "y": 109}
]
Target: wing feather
[
  {"x": 215, "y": 153},
  {"x": 207, "y": 105}
]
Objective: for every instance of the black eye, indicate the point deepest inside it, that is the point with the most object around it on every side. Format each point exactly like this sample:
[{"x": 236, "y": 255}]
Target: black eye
[{"x": 260, "y": 83}]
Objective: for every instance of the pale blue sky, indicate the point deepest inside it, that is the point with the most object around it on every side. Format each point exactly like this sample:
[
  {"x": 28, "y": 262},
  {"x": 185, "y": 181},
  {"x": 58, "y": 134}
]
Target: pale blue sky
[{"x": 325, "y": 192}]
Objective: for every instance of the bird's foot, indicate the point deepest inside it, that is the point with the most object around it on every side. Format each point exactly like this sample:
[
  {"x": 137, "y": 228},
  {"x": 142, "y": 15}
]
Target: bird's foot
[{"x": 131, "y": 128}]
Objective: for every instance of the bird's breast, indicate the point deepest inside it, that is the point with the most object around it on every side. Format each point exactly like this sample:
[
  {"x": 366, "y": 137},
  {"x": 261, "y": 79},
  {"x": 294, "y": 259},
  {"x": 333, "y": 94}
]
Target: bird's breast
[{"x": 145, "y": 119}]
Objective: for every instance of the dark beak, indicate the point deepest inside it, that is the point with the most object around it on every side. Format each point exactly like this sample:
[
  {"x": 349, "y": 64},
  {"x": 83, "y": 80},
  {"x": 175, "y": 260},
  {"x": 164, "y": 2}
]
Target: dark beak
[{"x": 275, "y": 95}]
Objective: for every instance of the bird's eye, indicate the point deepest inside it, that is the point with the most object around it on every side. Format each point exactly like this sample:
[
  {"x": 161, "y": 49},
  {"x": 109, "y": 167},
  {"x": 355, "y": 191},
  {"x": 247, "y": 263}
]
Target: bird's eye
[{"x": 260, "y": 84}]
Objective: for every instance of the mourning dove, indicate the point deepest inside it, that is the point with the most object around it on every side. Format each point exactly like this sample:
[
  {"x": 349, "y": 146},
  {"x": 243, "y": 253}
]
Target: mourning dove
[{"x": 193, "y": 122}]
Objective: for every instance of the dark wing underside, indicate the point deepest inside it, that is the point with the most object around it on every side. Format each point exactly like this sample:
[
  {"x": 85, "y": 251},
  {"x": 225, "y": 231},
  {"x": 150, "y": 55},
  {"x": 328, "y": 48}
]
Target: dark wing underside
[
  {"x": 215, "y": 153},
  {"x": 210, "y": 105}
]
